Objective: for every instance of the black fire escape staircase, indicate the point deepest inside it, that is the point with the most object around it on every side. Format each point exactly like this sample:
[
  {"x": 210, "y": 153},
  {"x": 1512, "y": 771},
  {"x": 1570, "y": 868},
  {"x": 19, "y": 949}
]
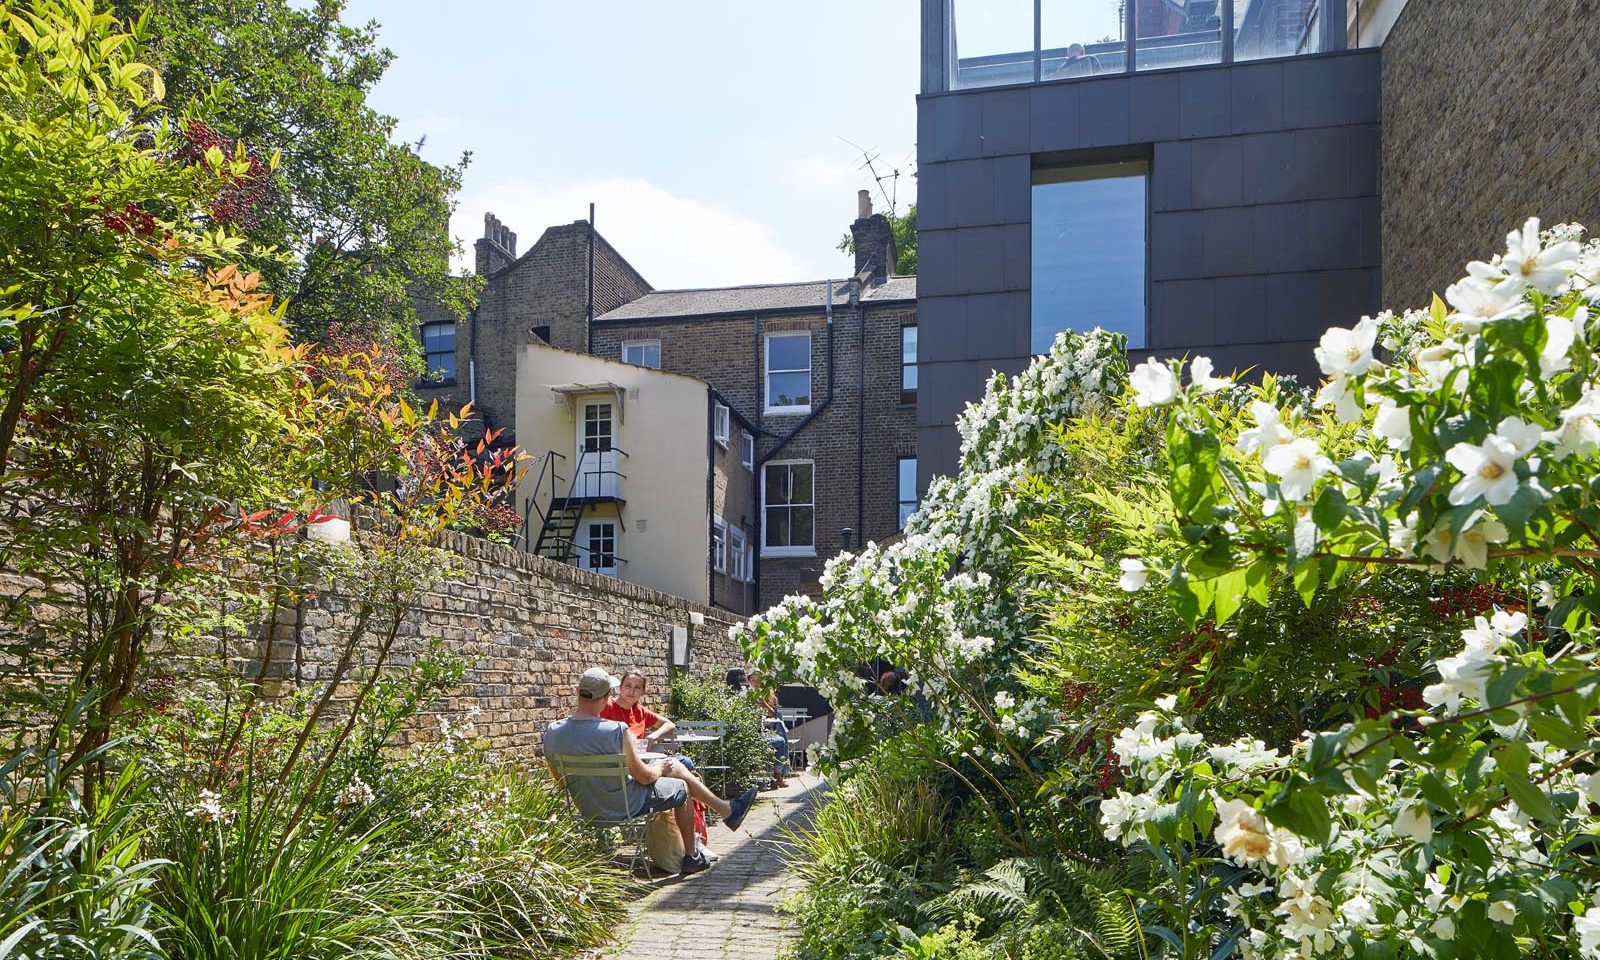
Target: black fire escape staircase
[{"x": 560, "y": 516}]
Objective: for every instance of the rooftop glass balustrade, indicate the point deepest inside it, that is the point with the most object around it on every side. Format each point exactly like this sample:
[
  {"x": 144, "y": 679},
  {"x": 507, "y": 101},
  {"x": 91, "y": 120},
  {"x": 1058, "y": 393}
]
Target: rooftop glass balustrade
[{"x": 988, "y": 43}]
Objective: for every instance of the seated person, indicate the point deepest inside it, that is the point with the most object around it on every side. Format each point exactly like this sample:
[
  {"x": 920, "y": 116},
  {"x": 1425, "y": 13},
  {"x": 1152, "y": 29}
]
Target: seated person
[
  {"x": 740, "y": 682},
  {"x": 649, "y": 729},
  {"x": 651, "y": 788}
]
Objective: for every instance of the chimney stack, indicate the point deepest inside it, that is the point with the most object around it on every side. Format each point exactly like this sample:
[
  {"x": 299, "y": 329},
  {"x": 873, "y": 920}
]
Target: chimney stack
[
  {"x": 874, "y": 239},
  {"x": 497, "y": 249}
]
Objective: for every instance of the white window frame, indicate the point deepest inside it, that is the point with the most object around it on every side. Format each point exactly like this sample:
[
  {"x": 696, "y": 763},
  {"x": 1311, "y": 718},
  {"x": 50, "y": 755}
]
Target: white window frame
[
  {"x": 642, "y": 343},
  {"x": 739, "y": 554},
  {"x": 719, "y": 545},
  {"x": 766, "y": 378},
  {"x": 791, "y": 551},
  {"x": 747, "y": 450},
  {"x": 719, "y": 425}
]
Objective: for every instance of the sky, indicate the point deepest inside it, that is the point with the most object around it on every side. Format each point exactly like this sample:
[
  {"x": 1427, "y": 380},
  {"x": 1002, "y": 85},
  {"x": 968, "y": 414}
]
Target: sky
[{"x": 710, "y": 134}]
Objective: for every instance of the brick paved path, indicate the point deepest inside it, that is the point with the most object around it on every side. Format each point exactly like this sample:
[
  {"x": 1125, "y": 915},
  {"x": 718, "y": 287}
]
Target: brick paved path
[{"x": 729, "y": 912}]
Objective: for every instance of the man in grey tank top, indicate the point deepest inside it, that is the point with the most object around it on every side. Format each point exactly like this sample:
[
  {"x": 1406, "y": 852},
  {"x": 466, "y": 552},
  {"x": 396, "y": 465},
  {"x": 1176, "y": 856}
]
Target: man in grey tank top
[{"x": 649, "y": 788}]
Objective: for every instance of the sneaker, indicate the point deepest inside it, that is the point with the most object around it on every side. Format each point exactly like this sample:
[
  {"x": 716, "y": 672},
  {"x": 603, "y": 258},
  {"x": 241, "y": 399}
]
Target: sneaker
[
  {"x": 711, "y": 855},
  {"x": 741, "y": 806},
  {"x": 693, "y": 864}
]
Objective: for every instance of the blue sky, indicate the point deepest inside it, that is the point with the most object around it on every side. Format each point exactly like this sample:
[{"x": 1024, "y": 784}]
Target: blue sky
[{"x": 707, "y": 132}]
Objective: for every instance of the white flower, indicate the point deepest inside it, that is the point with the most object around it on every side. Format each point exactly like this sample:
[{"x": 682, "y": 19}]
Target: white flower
[
  {"x": 1415, "y": 823},
  {"x": 1154, "y": 384},
  {"x": 1547, "y": 594},
  {"x": 1587, "y": 927},
  {"x": 1479, "y": 301},
  {"x": 1004, "y": 701},
  {"x": 1269, "y": 430},
  {"x": 1528, "y": 261},
  {"x": 1348, "y": 352},
  {"x": 1119, "y": 812},
  {"x": 1244, "y": 755},
  {"x": 1559, "y": 336},
  {"x": 1200, "y": 370},
  {"x": 1591, "y": 787},
  {"x": 1358, "y": 911},
  {"x": 210, "y": 809},
  {"x": 1168, "y": 702},
  {"x": 1502, "y": 911},
  {"x": 1337, "y": 393},
  {"x": 1297, "y": 464},
  {"x": 1580, "y": 432},
  {"x": 1489, "y": 469},
  {"x": 1243, "y": 832},
  {"x": 1444, "y": 928},
  {"x": 1393, "y": 424},
  {"x": 1467, "y": 673},
  {"x": 355, "y": 794},
  {"x": 1134, "y": 574}
]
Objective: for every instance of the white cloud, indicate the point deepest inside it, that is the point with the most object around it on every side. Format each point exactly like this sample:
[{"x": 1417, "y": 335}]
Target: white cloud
[{"x": 671, "y": 240}]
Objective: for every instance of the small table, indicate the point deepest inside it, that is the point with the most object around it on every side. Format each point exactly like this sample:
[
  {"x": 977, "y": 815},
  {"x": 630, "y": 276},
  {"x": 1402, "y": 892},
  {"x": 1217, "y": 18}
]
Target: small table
[
  {"x": 650, "y": 756},
  {"x": 694, "y": 738}
]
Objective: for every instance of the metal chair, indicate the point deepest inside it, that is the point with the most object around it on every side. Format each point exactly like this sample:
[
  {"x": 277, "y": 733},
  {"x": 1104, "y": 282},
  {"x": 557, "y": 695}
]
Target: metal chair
[
  {"x": 613, "y": 770},
  {"x": 793, "y": 718},
  {"x": 709, "y": 728}
]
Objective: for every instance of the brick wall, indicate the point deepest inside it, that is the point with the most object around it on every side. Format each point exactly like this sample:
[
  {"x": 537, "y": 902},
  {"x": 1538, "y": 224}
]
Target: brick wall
[
  {"x": 1491, "y": 114},
  {"x": 734, "y": 499},
  {"x": 727, "y": 352},
  {"x": 526, "y": 628}
]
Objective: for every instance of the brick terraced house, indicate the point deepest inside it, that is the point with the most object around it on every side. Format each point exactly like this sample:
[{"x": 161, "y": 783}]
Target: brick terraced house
[{"x": 813, "y": 387}]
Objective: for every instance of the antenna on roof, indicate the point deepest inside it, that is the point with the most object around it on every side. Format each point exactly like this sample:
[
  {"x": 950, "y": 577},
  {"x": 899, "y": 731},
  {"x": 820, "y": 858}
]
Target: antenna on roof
[
  {"x": 417, "y": 147},
  {"x": 871, "y": 161}
]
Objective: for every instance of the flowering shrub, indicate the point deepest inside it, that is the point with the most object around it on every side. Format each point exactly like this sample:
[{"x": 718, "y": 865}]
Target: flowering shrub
[
  {"x": 1463, "y": 827},
  {"x": 931, "y": 601}
]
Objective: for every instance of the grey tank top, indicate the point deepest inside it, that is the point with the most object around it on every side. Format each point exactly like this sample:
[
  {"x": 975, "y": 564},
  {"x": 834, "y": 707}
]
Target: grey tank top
[{"x": 598, "y": 797}]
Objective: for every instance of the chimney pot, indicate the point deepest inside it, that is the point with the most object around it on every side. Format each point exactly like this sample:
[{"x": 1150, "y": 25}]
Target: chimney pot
[{"x": 863, "y": 204}]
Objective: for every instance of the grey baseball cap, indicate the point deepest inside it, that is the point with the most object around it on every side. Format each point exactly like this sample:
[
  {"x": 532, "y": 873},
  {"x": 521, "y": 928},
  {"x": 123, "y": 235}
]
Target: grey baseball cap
[{"x": 594, "y": 684}]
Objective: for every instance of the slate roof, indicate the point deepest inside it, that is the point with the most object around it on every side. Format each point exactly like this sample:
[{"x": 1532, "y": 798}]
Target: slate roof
[{"x": 755, "y": 298}]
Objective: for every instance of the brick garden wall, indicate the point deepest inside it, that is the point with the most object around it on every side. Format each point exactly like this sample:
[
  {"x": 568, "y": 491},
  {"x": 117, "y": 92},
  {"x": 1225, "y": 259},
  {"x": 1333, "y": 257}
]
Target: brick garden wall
[
  {"x": 525, "y": 627},
  {"x": 1491, "y": 114}
]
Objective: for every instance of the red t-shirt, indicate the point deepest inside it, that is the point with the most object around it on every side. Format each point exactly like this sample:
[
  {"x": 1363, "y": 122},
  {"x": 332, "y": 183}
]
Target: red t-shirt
[{"x": 640, "y": 719}]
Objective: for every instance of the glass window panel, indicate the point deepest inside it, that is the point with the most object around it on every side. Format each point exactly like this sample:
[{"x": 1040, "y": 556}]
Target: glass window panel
[
  {"x": 993, "y": 41},
  {"x": 778, "y": 527},
  {"x": 1275, "y": 28},
  {"x": 1176, "y": 33},
  {"x": 908, "y": 377},
  {"x": 645, "y": 353},
  {"x": 800, "y": 527},
  {"x": 1089, "y": 251},
  {"x": 789, "y": 389},
  {"x": 775, "y": 483},
  {"x": 906, "y": 512},
  {"x": 1081, "y": 38},
  {"x": 908, "y": 478},
  {"x": 908, "y": 344},
  {"x": 789, "y": 353},
  {"x": 800, "y": 483}
]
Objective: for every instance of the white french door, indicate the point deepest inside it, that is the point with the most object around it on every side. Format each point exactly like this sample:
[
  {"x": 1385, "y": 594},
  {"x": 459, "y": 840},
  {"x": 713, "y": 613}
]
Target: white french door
[
  {"x": 597, "y": 546},
  {"x": 597, "y": 458}
]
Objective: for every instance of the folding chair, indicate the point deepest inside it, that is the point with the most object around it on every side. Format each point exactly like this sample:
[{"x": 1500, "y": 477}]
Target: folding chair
[
  {"x": 710, "y": 728},
  {"x": 612, "y": 770}
]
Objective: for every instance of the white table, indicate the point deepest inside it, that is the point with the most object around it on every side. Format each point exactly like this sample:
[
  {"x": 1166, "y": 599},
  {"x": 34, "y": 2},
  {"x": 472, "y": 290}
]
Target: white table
[{"x": 693, "y": 738}]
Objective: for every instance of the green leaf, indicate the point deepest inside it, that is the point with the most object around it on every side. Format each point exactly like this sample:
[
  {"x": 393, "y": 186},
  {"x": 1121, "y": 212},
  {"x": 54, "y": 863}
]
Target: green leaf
[
  {"x": 1229, "y": 591},
  {"x": 1329, "y": 510},
  {"x": 1306, "y": 580},
  {"x": 1258, "y": 581},
  {"x": 1533, "y": 800},
  {"x": 1303, "y": 810}
]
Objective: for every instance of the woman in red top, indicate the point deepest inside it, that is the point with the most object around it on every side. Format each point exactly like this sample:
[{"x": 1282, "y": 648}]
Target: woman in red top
[{"x": 648, "y": 727}]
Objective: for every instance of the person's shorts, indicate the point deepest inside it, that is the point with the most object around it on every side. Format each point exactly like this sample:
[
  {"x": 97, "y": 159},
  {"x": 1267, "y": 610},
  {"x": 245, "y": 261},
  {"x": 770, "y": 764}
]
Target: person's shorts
[{"x": 667, "y": 793}]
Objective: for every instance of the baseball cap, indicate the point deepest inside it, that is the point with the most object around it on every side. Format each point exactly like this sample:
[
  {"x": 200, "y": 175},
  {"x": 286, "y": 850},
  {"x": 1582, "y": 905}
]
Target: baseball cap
[{"x": 594, "y": 684}]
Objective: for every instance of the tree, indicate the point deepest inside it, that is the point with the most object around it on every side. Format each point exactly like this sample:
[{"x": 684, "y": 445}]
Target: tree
[
  {"x": 366, "y": 219},
  {"x": 905, "y": 241}
]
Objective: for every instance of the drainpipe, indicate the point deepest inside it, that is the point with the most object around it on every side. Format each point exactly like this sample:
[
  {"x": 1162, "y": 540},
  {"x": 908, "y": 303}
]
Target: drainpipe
[
  {"x": 861, "y": 421},
  {"x": 755, "y": 462}
]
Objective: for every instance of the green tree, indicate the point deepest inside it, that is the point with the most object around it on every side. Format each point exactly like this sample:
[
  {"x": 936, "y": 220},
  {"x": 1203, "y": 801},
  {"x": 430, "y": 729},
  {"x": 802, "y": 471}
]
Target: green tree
[
  {"x": 905, "y": 241},
  {"x": 366, "y": 219}
]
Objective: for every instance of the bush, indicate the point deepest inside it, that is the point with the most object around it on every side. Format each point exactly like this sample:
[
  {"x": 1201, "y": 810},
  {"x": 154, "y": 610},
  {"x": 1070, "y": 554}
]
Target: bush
[{"x": 746, "y": 749}]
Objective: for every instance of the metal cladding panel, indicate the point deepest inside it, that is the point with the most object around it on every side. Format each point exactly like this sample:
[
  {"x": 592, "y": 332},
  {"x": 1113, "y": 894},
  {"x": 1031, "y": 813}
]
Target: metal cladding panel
[{"x": 1262, "y": 224}]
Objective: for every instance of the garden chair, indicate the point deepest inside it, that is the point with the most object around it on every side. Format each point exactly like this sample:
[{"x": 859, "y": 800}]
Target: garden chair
[
  {"x": 612, "y": 770},
  {"x": 793, "y": 718},
  {"x": 710, "y": 728}
]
